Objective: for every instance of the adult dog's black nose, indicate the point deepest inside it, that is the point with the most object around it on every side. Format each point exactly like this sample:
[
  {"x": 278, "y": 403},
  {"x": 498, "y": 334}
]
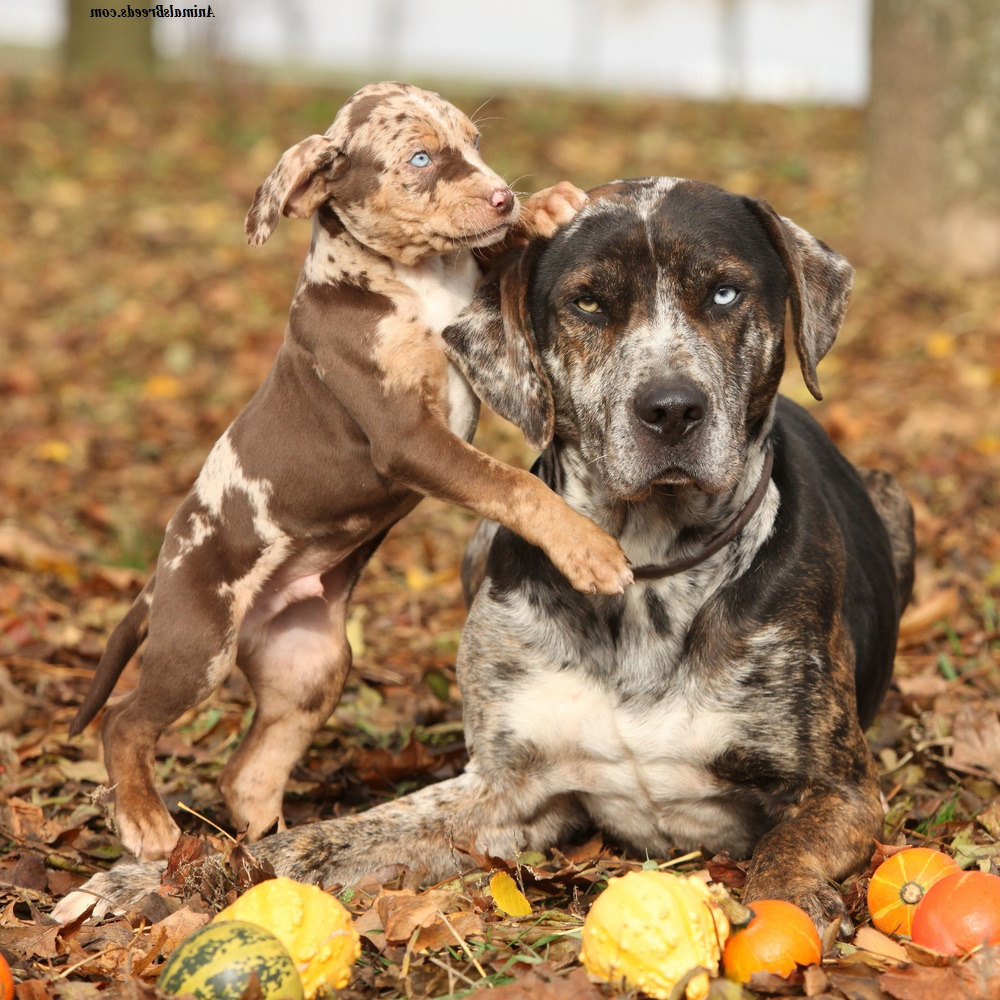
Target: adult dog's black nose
[{"x": 670, "y": 408}]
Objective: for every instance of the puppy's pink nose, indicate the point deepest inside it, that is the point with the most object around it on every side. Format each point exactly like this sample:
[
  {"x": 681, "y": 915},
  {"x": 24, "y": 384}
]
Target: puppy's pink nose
[{"x": 502, "y": 200}]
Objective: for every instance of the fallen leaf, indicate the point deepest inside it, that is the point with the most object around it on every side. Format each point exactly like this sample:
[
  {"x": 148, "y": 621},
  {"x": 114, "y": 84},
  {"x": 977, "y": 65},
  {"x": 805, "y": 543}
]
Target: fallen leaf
[
  {"x": 977, "y": 979},
  {"x": 976, "y": 747},
  {"x": 939, "y": 606},
  {"x": 540, "y": 983},
  {"x": 381, "y": 768},
  {"x": 814, "y": 981},
  {"x": 989, "y": 819},
  {"x": 722, "y": 868},
  {"x": 179, "y": 926},
  {"x": 24, "y": 821},
  {"x": 53, "y": 451},
  {"x": 871, "y": 940},
  {"x": 162, "y": 387},
  {"x": 508, "y": 898},
  {"x": 439, "y": 914}
]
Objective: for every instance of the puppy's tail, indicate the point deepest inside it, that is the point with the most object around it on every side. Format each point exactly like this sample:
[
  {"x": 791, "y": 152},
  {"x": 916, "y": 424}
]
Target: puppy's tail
[{"x": 124, "y": 641}]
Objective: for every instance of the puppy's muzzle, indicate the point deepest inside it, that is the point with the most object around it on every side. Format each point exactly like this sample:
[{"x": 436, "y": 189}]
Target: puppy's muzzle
[{"x": 670, "y": 410}]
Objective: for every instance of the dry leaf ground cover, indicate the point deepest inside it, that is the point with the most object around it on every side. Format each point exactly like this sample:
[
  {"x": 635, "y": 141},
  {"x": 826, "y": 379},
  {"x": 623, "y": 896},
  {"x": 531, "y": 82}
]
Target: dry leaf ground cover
[{"x": 135, "y": 323}]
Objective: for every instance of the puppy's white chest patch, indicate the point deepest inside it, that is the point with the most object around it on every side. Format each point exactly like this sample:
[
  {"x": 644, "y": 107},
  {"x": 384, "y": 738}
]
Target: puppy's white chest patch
[{"x": 444, "y": 286}]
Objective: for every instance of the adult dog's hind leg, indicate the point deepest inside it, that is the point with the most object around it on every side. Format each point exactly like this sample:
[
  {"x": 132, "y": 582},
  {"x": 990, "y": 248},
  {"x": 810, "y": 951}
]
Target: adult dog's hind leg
[{"x": 426, "y": 830}]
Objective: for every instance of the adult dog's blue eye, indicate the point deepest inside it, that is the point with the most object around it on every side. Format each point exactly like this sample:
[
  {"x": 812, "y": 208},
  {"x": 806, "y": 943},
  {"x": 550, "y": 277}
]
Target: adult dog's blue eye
[
  {"x": 420, "y": 159},
  {"x": 725, "y": 295}
]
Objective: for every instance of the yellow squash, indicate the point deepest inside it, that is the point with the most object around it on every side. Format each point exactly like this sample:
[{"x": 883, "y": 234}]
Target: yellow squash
[
  {"x": 655, "y": 930},
  {"x": 310, "y": 923}
]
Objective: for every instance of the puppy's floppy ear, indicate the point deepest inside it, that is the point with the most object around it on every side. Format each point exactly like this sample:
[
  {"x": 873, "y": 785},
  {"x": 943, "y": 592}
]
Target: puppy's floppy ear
[
  {"x": 492, "y": 343},
  {"x": 820, "y": 288},
  {"x": 300, "y": 182}
]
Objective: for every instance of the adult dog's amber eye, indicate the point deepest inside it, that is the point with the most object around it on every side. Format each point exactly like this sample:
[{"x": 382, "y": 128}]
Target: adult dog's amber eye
[{"x": 587, "y": 304}]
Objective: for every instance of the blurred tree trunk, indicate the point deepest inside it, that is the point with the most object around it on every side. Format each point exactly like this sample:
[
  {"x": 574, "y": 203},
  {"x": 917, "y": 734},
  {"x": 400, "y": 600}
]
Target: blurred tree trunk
[
  {"x": 933, "y": 134},
  {"x": 121, "y": 45}
]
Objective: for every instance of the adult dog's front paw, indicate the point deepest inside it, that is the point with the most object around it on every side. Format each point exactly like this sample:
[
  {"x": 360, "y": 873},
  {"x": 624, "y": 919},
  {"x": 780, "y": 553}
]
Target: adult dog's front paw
[{"x": 812, "y": 893}]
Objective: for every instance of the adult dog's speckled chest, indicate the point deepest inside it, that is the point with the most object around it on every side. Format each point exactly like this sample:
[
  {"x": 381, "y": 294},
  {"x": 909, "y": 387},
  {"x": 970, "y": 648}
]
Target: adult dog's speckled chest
[{"x": 620, "y": 710}]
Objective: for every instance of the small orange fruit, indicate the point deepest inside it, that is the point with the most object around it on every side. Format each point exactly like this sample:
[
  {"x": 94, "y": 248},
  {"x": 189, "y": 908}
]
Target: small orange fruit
[
  {"x": 780, "y": 936},
  {"x": 899, "y": 883},
  {"x": 959, "y": 913}
]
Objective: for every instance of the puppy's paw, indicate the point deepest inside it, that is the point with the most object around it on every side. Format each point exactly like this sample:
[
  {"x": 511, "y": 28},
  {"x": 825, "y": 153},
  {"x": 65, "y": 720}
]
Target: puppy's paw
[
  {"x": 591, "y": 560},
  {"x": 149, "y": 833},
  {"x": 552, "y": 207}
]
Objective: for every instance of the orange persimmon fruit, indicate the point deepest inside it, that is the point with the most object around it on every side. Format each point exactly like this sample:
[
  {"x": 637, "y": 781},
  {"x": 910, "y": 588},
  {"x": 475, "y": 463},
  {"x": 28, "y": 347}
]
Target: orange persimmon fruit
[
  {"x": 899, "y": 884},
  {"x": 778, "y": 937},
  {"x": 959, "y": 913}
]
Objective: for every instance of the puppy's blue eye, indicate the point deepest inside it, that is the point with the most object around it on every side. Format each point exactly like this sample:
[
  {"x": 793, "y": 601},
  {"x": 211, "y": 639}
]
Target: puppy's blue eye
[
  {"x": 420, "y": 159},
  {"x": 725, "y": 295}
]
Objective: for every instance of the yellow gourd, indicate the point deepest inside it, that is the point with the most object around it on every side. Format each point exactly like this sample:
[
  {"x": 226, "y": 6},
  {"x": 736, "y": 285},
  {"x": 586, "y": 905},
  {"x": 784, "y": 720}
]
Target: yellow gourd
[
  {"x": 315, "y": 928},
  {"x": 654, "y": 930}
]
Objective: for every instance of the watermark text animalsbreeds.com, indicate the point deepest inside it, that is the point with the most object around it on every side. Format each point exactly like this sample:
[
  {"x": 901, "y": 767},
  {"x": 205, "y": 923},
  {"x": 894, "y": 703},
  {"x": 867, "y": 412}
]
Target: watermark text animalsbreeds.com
[{"x": 160, "y": 10}]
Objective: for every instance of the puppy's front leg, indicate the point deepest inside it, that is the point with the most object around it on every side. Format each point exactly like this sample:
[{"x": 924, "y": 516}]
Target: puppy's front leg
[{"x": 430, "y": 459}]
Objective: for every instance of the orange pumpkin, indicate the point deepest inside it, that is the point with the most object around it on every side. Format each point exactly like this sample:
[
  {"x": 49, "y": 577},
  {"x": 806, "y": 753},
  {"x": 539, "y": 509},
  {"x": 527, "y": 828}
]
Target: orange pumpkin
[
  {"x": 6, "y": 980},
  {"x": 778, "y": 937},
  {"x": 959, "y": 913},
  {"x": 899, "y": 884}
]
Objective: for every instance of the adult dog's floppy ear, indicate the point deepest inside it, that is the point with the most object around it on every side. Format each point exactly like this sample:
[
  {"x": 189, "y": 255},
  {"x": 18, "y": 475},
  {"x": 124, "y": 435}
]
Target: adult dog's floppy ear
[
  {"x": 492, "y": 342},
  {"x": 300, "y": 182},
  {"x": 820, "y": 288}
]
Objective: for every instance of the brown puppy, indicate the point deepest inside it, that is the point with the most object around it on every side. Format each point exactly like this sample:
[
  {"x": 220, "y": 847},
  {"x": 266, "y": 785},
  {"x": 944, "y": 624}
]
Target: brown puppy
[{"x": 360, "y": 416}]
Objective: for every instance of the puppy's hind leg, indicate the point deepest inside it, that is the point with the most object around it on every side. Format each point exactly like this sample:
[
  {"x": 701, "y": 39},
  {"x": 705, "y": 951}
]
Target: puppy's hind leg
[
  {"x": 189, "y": 652},
  {"x": 296, "y": 666}
]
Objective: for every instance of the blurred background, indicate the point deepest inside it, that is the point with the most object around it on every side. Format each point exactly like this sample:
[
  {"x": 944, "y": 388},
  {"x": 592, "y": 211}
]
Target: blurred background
[
  {"x": 135, "y": 321},
  {"x": 761, "y": 49}
]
